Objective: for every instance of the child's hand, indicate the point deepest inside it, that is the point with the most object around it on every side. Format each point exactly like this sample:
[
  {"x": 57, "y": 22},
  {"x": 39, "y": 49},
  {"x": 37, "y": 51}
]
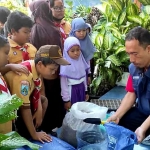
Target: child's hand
[
  {"x": 67, "y": 105},
  {"x": 42, "y": 136},
  {"x": 86, "y": 97},
  {"x": 17, "y": 68},
  {"x": 89, "y": 81},
  {"x": 140, "y": 133},
  {"x": 38, "y": 117}
]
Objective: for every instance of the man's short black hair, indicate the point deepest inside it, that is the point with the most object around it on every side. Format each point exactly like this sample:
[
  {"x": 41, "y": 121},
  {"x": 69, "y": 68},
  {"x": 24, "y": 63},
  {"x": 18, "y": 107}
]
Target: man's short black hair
[
  {"x": 45, "y": 61},
  {"x": 52, "y": 2},
  {"x": 4, "y": 12},
  {"x": 17, "y": 20},
  {"x": 3, "y": 41},
  {"x": 140, "y": 34}
]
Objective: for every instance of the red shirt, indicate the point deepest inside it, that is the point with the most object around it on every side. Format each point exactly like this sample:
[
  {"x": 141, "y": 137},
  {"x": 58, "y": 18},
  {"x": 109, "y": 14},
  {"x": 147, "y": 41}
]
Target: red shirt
[{"x": 129, "y": 85}]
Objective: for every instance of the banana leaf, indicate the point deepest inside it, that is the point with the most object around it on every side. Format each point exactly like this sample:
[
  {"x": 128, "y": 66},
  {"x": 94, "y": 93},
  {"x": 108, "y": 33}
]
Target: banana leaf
[{"x": 13, "y": 140}]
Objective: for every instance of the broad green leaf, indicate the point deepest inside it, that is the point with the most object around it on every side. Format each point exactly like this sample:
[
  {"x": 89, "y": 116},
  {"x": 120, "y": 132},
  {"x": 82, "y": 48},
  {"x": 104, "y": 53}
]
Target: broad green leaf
[
  {"x": 122, "y": 17},
  {"x": 114, "y": 59},
  {"x": 14, "y": 140},
  {"x": 132, "y": 9},
  {"x": 93, "y": 36},
  {"x": 145, "y": 2},
  {"x": 135, "y": 19},
  {"x": 99, "y": 40},
  {"x": 120, "y": 49},
  {"x": 108, "y": 40},
  {"x": 10, "y": 103},
  {"x": 7, "y": 117}
]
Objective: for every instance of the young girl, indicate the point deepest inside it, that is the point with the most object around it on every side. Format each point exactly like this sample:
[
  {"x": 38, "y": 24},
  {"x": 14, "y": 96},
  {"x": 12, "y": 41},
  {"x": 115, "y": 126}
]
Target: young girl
[
  {"x": 79, "y": 30},
  {"x": 73, "y": 77}
]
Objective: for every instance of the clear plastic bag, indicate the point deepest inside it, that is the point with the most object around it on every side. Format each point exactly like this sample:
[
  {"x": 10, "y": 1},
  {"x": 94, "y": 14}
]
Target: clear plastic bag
[
  {"x": 73, "y": 121},
  {"x": 96, "y": 138}
]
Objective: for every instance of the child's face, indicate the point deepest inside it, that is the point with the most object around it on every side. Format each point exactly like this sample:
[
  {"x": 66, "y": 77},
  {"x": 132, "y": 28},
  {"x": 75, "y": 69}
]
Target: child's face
[
  {"x": 74, "y": 52},
  {"x": 80, "y": 34},
  {"x": 4, "y": 55},
  {"x": 48, "y": 70},
  {"x": 21, "y": 36}
]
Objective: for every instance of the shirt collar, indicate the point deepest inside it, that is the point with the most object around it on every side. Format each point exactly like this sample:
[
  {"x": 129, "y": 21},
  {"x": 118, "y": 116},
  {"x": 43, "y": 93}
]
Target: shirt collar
[{"x": 12, "y": 43}]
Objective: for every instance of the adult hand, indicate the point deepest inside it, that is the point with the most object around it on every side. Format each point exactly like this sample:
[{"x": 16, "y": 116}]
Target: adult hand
[
  {"x": 38, "y": 117},
  {"x": 42, "y": 137},
  {"x": 67, "y": 105},
  {"x": 140, "y": 133},
  {"x": 18, "y": 68},
  {"x": 113, "y": 118}
]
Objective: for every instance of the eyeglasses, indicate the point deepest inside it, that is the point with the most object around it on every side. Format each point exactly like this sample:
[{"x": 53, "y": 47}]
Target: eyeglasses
[{"x": 56, "y": 8}]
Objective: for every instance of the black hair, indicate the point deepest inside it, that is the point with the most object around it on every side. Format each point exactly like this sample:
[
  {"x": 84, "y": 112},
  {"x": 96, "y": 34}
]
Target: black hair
[
  {"x": 16, "y": 20},
  {"x": 4, "y": 12},
  {"x": 45, "y": 61},
  {"x": 52, "y": 2},
  {"x": 3, "y": 41},
  {"x": 140, "y": 34}
]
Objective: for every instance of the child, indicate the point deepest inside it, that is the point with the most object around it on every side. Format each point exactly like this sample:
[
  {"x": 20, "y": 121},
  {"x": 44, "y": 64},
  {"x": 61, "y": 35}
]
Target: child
[
  {"x": 4, "y": 50},
  {"x": 79, "y": 30},
  {"x": 73, "y": 77},
  {"x": 46, "y": 62},
  {"x": 19, "y": 25},
  {"x": 4, "y": 12}
]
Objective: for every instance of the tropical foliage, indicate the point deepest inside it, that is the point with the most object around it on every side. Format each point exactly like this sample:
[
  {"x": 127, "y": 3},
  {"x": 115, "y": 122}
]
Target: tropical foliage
[
  {"x": 14, "y": 5},
  {"x": 118, "y": 17}
]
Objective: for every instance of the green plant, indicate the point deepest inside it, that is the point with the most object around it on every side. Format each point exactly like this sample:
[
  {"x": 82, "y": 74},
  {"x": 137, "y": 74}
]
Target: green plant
[
  {"x": 14, "y": 5},
  {"x": 12, "y": 140},
  {"x": 118, "y": 17},
  {"x": 79, "y": 11}
]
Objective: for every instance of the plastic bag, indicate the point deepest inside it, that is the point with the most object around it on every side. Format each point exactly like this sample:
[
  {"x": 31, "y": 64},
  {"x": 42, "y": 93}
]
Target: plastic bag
[
  {"x": 82, "y": 110},
  {"x": 120, "y": 138},
  {"x": 73, "y": 120},
  {"x": 56, "y": 144},
  {"x": 95, "y": 139}
]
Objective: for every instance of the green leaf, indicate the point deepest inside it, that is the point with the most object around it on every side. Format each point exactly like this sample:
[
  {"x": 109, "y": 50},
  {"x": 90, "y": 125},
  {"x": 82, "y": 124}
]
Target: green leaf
[
  {"x": 135, "y": 19},
  {"x": 99, "y": 40},
  {"x": 132, "y": 10},
  {"x": 120, "y": 49},
  {"x": 14, "y": 140},
  {"x": 122, "y": 17},
  {"x": 114, "y": 59},
  {"x": 7, "y": 117},
  {"x": 108, "y": 40},
  {"x": 10, "y": 103}
]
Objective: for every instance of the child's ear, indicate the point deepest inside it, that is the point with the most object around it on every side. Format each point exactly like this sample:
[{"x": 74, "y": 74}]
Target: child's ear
[
  {"x": 148, "y": 47},
  {"x": 13, "y": 31}
]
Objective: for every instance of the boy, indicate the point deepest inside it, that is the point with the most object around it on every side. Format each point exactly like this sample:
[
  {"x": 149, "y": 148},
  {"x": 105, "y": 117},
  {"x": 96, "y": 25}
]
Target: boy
[
  {"x": 19, "y": 25},
  {"x": 46, "y": 62},
  {"x": 4, "y": 12},
  {"x": 4, "y": 50}
]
